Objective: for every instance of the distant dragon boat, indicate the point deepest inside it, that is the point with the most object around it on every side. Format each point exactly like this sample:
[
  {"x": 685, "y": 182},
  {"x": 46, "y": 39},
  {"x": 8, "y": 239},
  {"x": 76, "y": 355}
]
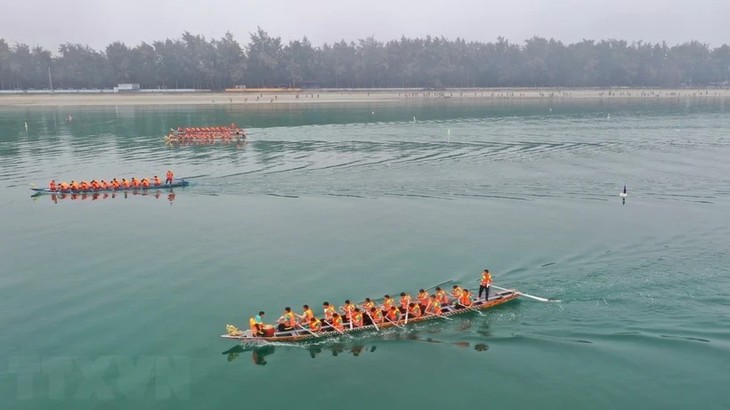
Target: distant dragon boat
[
  {"x": 302, "y": 334},
  {"x": 175, "y": 183},
  {"x": 223, "y": 133}
]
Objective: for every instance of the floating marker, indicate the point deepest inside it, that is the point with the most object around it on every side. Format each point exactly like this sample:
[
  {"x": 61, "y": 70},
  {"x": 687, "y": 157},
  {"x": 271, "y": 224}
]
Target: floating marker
[
  {"x": 26, "y": 126},
  {"x": 623, "y": 194}
]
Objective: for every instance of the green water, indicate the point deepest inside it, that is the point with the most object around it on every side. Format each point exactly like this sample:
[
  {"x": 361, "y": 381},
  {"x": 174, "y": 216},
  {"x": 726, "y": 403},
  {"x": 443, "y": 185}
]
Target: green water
[{"x": 118, "y": 302}]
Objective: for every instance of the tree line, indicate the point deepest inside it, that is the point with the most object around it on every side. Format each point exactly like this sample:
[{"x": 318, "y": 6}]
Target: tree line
[{"x": 192, "y": 61}]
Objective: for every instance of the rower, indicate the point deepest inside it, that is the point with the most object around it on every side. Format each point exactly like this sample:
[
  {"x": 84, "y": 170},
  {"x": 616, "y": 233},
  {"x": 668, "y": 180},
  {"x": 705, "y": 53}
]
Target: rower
[
  {"x": 356, "y": 318},
  {"x": 103, "y": 184},
  {"x": 156, "y": 181},
  {"x": 434, "y": 306},
  {"x": 388, "y": 302},
  {"x": 414, "y": 310},
  {"x": 314, "y": 324},
  {"x": 115, "y": 184},
  {"x": 456, "y": 293},
  {"x": 393, "y": 314},
  {"x": 423, "y": 298},
  {"x": 464, "y": 300},
  {"x": 347, "y": 309},
  {"x": 405, "y": 300},
  {"x": 256, "y": 323},
  {"x": 73, "y": 186},
  {"x": 441, "y": 296},
  {"x": 287, "y": 321},
  {"x": 337, "y": 322},
  {"x": 84, "y": 186},
  {"x": 145, "y": 183},
  {"x": 376, "y": 315},
  {"x": 135, "y": 182},
  {"x": 63, "y": 187},
  {"x": 329, "y": 311},
  {"x": 125, "y": 183},
  {"x": 369, "y": 304},
  {"x": 306, "y": 315},
  {"x": 169, "y": 177},
  {"x": 52, "y": 185},
  {"x": 94, "y": 185},
  {"x": 484, "y": 284}
]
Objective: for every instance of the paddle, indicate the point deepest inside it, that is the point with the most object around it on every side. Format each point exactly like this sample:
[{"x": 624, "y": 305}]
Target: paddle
[
  {"x": 528, "y": 296},
  {"x": 406, "y": 322}
]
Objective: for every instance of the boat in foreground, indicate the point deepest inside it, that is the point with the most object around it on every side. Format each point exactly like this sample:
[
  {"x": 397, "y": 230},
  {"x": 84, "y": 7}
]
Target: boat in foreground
[
  {"x": 301, "y": 334},
  {"x": 175, "y": 183}
]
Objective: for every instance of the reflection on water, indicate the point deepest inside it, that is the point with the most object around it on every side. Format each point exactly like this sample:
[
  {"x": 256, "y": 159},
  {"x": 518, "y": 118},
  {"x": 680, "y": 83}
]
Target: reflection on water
[
  {"x": 94, "y": 196},
  {"x": 353, "y": 348}
]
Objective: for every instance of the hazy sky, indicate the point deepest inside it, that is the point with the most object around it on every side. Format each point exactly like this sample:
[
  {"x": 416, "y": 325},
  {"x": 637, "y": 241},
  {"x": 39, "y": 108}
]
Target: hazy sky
[{"x": 97, "y": 23}]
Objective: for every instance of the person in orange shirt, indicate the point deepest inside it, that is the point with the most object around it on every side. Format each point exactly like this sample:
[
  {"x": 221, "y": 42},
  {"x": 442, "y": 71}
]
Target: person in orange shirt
[
  {"x": 405, "y": 300},
  {"x": 393, "y": 315},
  {"x": 156, "y": 181},
  {"x": 145, "y": 183},
  {"x": 434, "y": 306},
  {"x": 115, "y": 184},
  {"x": 337, "y": 322},
  {"x": 63, "y": 187},
  {"x": 388, "y": 302},
  {"x": 376, "y": 315},
  {"x": 464, "y": 299},
  {"x": 84, "y": 186},
  {"x": 414, "y": 310},
  {"x": 135, "y": 182},
  {"x": 306, "y": 316},
  {"x": 484, "y": 284},
  {"x": 169, "y": 177},
  {"x": 125, "y": 183},
  {"x": 368, "y": 304},
  {"x": 52, "y": 185},
  {"x": 356, "y": 318},
  {"x": 441, "y": 296}
]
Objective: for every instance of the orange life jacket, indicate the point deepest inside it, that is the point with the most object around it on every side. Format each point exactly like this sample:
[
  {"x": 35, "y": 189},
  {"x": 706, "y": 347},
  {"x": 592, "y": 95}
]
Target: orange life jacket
[
  {"x": 464, "y": 299},
  {"x": 415, "y": 311},
  {"x": 357, "y": 320},
  {"x": 169, "y": 174},
  {"x": 442, "y": 297},
  {"x": 156, "y": 181},
  {"x": 423, "y": 298},
  {"x": 405, "y": 301},
  {"x": 392, "y": 314},
  {"x": 253, "y": 325},
  {"x": 434, "y": 307},
  {"x": 457, "y": 292},
  {"x": 377, "y": 316},
  {"x": 145, "y": 183},
  {"x": 315, "y": 326},
  {"x": 348, "y": 308},
  {"x": 308, "y": 315},
  {"x": 328, "y": 312},
  {"x": 52, "y": 186},
  {"x": 387, "y": 303},
  {"x": 337, "y": 323},
  {"x": 368, "y": 305},
  {"x": 289, "y": 320},
  {"x": 486, "y": 279}
]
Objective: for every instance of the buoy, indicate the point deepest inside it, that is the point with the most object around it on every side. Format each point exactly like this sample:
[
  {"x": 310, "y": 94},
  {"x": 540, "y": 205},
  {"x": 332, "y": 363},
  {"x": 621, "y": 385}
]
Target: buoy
[
  {"x": 623, "y": 194},
  {"x": 26, "y": 126}
]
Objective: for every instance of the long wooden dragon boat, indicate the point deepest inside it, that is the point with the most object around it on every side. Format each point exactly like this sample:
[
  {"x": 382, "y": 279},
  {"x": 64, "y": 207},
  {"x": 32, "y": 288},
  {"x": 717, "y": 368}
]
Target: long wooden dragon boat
[
  {"x": 301, "y": 334},
  {"x": 175, "y": 184}
]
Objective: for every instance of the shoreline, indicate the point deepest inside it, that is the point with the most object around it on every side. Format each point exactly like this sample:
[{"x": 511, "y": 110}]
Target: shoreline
[{"x": 271, "y": 97}]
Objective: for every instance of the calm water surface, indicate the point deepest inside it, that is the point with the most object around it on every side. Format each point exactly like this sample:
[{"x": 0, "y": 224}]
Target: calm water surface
[{"x": 118, "y": 301}]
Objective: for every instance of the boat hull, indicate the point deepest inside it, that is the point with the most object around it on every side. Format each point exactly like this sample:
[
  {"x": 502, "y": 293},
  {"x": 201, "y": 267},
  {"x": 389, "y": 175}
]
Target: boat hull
[
  {"x": 175, "y": 183},
  {"x": 303, "y": 335}
]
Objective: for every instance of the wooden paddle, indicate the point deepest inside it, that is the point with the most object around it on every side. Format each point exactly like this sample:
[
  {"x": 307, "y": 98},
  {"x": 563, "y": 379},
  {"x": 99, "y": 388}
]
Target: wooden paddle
[
  {"x": 528, "y": 296},
  {"x": 395, "y": 324}
]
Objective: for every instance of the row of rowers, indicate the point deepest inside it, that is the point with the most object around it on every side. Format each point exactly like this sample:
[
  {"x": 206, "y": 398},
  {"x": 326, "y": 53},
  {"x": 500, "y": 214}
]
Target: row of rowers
[
  {"x": 368, "y": 312},
  {"x": 113, "y": 184}
]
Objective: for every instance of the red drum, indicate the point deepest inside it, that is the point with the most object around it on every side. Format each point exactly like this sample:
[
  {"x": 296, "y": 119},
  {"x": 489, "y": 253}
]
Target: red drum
[{"x": 269, "y": 331}]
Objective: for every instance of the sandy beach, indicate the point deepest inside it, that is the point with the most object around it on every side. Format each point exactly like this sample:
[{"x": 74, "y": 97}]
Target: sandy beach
[{"x": 350, "y": 96}]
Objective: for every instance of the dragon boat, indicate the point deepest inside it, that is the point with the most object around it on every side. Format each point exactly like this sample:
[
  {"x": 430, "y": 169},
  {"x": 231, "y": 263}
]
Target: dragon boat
[
  {"x": 302, "y": 334},
  {"x": 175, "y": 183}
]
